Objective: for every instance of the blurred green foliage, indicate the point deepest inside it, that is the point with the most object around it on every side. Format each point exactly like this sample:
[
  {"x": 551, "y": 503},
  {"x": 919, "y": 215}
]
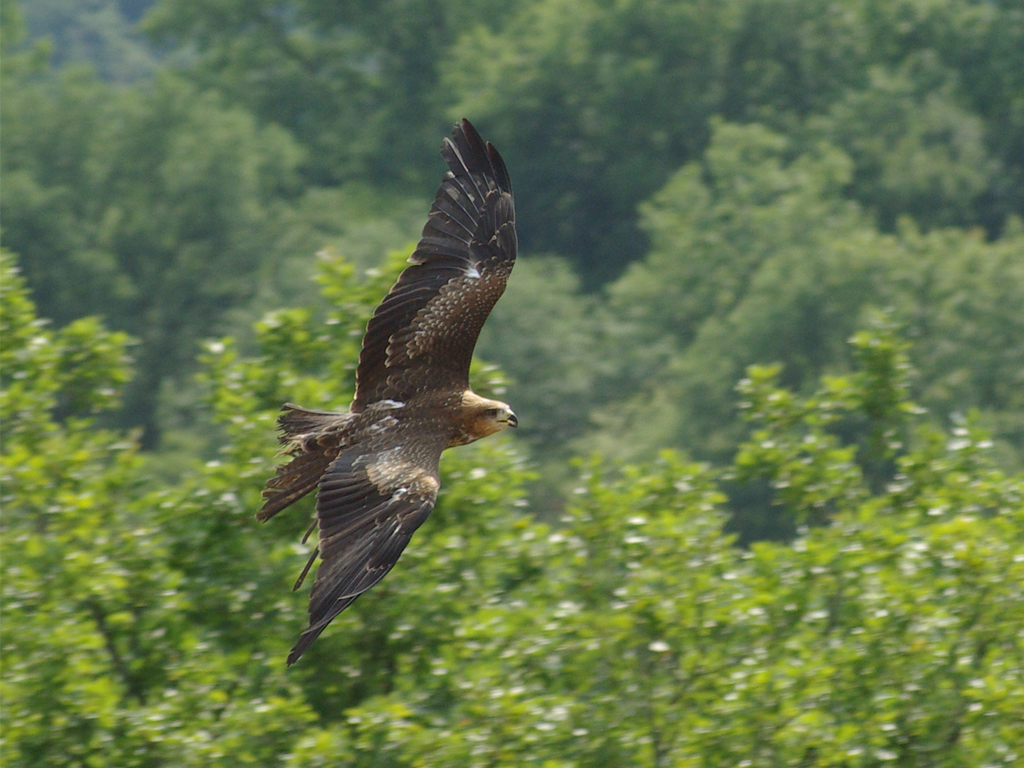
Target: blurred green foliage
[
  {"x": 712, "y": 184},
  {"x": 146, "y": 624},
  {"x": 102, "y": 32},
  {"x": 819, "y": 201}
]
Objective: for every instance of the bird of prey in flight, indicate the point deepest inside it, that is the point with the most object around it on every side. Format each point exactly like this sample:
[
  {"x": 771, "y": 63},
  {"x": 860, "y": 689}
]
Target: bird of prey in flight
[{"x": 375, "y": 468}]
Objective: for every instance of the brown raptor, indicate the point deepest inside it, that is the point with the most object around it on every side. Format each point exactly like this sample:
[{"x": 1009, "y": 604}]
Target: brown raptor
[{"x": 375, "y": 468}]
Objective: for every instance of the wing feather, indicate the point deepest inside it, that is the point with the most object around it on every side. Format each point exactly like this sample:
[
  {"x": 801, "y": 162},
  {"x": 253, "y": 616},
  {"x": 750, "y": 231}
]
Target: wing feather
[
  {"x": 460, "y": 216},
  {"x": 369, "y": 504},
  {"x": 458, "y": 272}
]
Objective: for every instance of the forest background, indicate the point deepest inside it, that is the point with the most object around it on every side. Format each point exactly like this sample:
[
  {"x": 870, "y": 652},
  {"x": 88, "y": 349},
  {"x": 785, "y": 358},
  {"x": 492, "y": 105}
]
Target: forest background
[{"x": 765, "y": 339}]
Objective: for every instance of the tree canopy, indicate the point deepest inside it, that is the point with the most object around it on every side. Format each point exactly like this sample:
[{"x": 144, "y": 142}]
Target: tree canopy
[
  {"x": 146, "y": 623},
  {"x": 765, "y": 342}
]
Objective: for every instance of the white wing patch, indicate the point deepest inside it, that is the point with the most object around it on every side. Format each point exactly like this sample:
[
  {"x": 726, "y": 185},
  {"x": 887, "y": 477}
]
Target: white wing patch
[{"x": 386, "y": 423}]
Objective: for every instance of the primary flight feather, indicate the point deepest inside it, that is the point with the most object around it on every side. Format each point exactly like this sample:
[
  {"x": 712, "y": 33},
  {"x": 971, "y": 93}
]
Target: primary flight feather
[{"x": 375, "y": 468}]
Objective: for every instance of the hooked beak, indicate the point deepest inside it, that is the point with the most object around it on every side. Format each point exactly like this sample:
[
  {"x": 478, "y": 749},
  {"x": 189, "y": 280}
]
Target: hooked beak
[{"x": 512, "y": 420}]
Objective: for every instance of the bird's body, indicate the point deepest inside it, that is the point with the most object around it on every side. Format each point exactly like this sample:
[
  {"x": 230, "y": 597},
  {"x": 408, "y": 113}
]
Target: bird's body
[{"x": 375, "y": 468}]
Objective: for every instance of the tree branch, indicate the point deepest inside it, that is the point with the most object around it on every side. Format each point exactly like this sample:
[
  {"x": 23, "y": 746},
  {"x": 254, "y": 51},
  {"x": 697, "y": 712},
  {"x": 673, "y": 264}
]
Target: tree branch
[{"x": 131, "y": 683}]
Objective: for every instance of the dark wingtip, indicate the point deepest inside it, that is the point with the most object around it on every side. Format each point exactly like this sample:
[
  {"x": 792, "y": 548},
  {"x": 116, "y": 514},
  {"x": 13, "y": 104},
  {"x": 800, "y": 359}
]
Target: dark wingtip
[
  {"x": 468, "y": 129},
  {"x": 296, "y": 652},
  {"x": 500, "y": 171},
  {"x": 468, "y": 136},
  {"x": 465, "y": 137},
  {"x": 305, "y": 640}
]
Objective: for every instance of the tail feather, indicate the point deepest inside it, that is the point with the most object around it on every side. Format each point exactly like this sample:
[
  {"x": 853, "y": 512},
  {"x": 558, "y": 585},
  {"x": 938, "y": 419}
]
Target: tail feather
[
  {"x": 301, "y": 430},
  {"x": 292, "y": 481},
  {"x": 295, "y": 422}
]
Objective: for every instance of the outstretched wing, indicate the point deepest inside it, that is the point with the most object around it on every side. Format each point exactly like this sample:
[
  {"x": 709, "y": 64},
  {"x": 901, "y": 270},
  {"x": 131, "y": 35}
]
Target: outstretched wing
[
  {"x": 369, "y": 504},
  {"x": 423, "y": 333}
]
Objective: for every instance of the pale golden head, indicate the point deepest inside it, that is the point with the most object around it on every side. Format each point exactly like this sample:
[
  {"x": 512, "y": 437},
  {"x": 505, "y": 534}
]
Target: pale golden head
[{"x": 484, "y": 416}]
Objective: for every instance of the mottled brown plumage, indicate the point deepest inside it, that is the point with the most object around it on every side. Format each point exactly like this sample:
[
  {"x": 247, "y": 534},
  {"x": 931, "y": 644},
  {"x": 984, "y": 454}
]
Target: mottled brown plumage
[{"x": 375, "y": 468}]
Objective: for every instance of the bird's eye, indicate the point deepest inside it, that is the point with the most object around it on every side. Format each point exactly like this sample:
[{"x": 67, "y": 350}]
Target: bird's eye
[{"x": 491, "y": 413}]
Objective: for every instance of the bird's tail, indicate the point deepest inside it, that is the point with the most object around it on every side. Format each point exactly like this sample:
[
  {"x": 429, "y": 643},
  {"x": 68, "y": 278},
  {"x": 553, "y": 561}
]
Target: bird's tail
[{"x": 301, "y": 430}]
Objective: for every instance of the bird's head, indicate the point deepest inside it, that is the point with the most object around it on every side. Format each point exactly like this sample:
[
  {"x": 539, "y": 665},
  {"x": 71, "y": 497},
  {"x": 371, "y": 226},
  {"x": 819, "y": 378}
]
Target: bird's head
[
  {"x": 485, "y": 416},
  {"x": 499, "y": 415}
]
